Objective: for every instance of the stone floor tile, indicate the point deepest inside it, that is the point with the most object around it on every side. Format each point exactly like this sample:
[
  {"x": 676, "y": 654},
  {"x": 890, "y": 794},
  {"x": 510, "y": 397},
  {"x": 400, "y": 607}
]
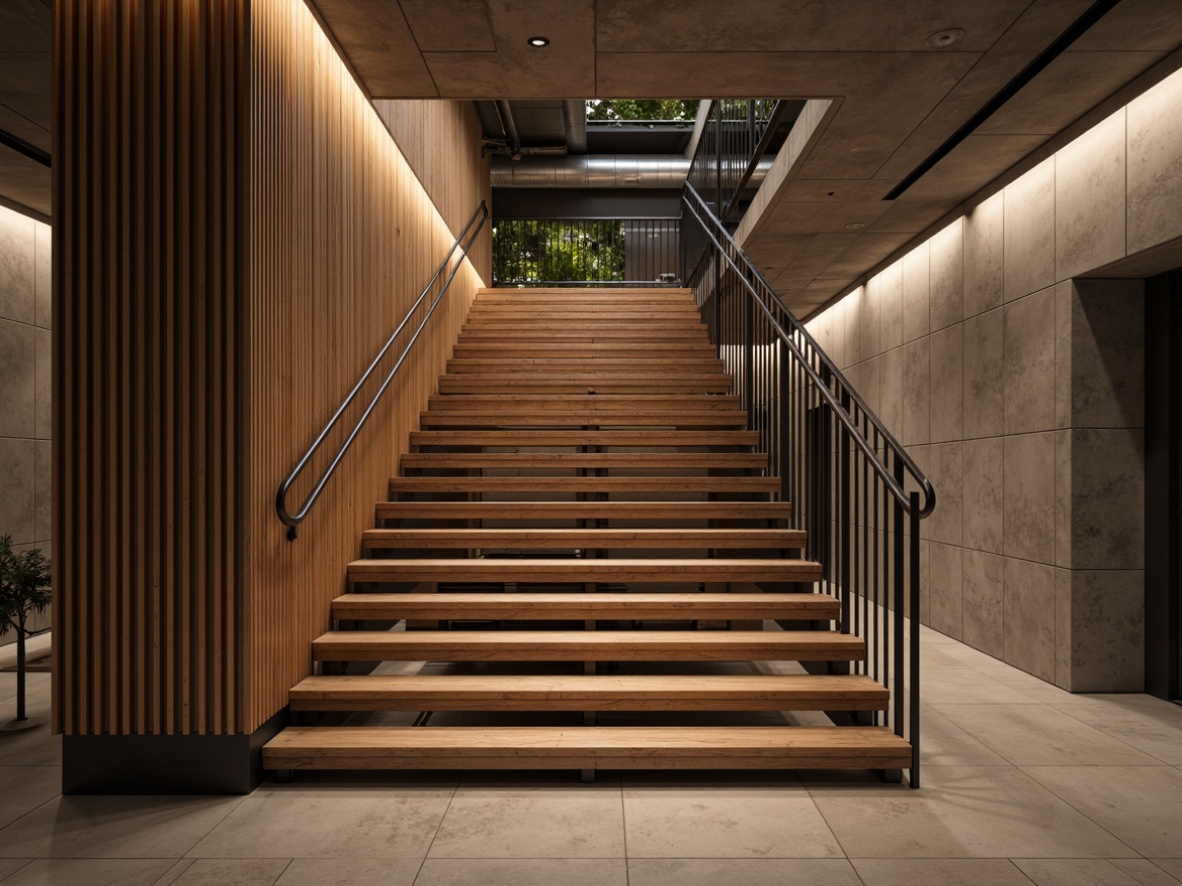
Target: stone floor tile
[
  {"x": 350, "y": 872},
  {"x": 1171, "y": 866},
  {"x": 966, "y": 686},
  {"x": 523, "y": 872},
  {"x": 115, "y": 827},
  {"x": 1141, "y": 805},
  {"x": 720, "y": 821},
  {"x": 740, "y": 872},
  {"x": 90, "y": 872},
  {"x": 397, "y": 821},
  {"x": 1073, "y": 872},
  {"x": 12, "y": 865},
  {"x": 1154, "y": 729},
  {"x": 24, "y": 788},
  {"x": 233, "y": 872},
  {"x": 938, "y": 872},
  {"x": 944, "y": 743},
  {"x": 547, "y": 821},
  {"x": 960, "y": 812},
  {"x": 1145, "y": 871},
  {"x": 1037, "y": 735}
]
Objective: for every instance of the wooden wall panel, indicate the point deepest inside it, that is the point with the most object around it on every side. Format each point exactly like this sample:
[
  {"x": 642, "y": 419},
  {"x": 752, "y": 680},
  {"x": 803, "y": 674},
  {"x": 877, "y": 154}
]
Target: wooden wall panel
[
  {"x": 343, "y": 236},
  {"x": 236, "y": 236},
  {"x": 148, "y": 278},
  {"x": 437, "y": 139}
]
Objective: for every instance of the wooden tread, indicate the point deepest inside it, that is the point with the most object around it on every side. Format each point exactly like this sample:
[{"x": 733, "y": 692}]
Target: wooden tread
[
  {"x": 525, "y": 692},
  {"x": 562, "y": 569},
  {"x": 584, "y": 438},
  {"x": 589, "y": 510},
  {"x": 423, "y": 461},
  {"x": 601, "y": 383},
  {"x": 591, "y": 539},
  {"x": 555, "y": 418},
  {"x": 598, "y": 747},
  {"x": 536, "y": 402},
  {"x": 620, "y": 485},
  {"x": 575, "y": 363},
  {"x": 587, "y": 646},
  {"x": 585, "y": 606}
]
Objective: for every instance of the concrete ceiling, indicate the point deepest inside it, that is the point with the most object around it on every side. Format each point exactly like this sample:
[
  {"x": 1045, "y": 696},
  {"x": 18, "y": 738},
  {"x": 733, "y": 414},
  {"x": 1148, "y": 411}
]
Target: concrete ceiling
[
  {"x": 896, "y": 98},
  {"x": 25, "y": 110}
]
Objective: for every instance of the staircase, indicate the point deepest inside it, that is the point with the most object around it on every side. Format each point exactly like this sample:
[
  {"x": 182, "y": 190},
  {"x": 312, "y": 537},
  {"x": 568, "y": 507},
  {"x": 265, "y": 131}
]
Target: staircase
[{"x": 585, "y": 567}]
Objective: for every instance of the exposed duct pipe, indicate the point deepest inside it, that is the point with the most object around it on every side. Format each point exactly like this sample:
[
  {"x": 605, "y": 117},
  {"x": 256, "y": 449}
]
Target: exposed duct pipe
[
  {"x": 574, "y": 122},
  {"x": 601, "y": 171},
  {"x": 510, "y": 127}
]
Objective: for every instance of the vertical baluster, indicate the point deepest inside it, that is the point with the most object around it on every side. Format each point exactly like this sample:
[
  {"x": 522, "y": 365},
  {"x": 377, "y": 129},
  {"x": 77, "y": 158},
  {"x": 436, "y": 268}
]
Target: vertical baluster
[
  {"x": 900, "y": 601},
  {"x": 913, "y": 712}
]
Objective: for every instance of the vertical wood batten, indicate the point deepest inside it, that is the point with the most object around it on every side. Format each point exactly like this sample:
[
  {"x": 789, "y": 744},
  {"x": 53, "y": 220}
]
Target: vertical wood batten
[
  {"x": 236, "y": 234},
  {"x": 343, "y": 236},
  {"x": 146, "y": 183}
]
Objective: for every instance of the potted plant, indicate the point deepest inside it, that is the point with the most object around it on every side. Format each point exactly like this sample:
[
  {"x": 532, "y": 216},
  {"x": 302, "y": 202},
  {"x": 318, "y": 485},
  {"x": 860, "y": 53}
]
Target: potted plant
[{"x": 24, "y": 590}]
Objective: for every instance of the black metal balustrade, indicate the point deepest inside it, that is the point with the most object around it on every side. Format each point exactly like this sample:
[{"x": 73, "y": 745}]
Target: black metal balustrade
[
  {"x": 852, "y": 485},
  {"x": 738, "y": 134},
  {"x": 585, "y": 252}
]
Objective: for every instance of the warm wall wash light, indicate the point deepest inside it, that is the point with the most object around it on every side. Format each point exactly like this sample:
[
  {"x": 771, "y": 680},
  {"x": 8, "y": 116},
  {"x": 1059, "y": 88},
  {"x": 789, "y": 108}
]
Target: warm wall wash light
[
  {"x": 538, "y": 41},
  {"x": 940, "y": 39}
]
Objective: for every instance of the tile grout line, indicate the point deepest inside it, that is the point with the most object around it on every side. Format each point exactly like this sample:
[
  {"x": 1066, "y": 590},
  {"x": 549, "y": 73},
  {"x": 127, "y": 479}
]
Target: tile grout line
[{"x": 455, "y": 789}]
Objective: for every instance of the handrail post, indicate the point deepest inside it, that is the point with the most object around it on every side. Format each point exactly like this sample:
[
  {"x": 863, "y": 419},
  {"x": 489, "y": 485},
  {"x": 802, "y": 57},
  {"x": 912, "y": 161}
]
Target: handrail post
[
  {"x": 913, "y": 730},
  {"x": 749, "y": 363}
]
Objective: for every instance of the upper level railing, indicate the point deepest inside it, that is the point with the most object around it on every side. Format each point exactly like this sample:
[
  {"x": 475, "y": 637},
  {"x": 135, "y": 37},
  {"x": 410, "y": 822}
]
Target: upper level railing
[
  {"x": 737, "y": 136},
  {"x": 442, "y": 273},
  {"x": 852, "y": 485},
  {"x": 585, "y": 252}
]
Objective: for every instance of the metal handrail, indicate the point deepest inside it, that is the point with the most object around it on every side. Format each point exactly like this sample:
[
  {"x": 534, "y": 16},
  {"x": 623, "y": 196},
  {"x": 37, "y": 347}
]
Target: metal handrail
[
  {"x": 479, "y": 217},
  {"x": 709, "y": 221}
]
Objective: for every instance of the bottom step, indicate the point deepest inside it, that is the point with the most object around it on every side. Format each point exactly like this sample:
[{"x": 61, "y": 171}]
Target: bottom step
[{"x": 592, "y": 747}]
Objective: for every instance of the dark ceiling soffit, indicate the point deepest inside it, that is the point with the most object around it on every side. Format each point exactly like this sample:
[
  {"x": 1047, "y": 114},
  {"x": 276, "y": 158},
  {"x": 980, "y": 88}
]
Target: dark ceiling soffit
[
  {"x": 1076, "y": 30},
  {"x": 23, "y": 147},
  {"x": 582, "y": 203}
]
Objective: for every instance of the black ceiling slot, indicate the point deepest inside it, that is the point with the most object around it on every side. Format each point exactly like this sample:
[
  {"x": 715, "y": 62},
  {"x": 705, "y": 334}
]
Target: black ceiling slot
[
  {"x": 23, "y": 147},
  {"x": 1077, "y": 29}
]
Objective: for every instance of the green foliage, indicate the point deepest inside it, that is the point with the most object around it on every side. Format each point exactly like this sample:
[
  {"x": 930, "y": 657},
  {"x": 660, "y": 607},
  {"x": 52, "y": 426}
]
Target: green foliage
[
  {"x": 526, "y": 251},
  {"x": 24, "y": 585},
  {"x": 642, "y": 109}
]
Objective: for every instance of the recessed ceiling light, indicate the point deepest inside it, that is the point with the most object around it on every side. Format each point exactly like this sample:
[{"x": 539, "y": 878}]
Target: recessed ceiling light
[
  {"x": 540, "y": 41},
  {"x": 855, "y": 226},
  {"x": 945, "y": 38}
]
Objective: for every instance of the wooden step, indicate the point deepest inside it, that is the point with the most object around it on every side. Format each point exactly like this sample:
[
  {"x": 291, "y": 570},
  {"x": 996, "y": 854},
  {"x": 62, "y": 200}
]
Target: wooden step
[
  {"x": 424, "y": 461},
  {"x": 527, "y": 439},
  {"x": 619, "y": 485},
  {"x": 536, "y": 402},
  {"x": 632, "y": 365},
  {"x": 586, "y": 317},
  {"x": 562, "y": 569},
  {"x": 584, "y": 539},
  {"x": 586, "y": 747},
  {"x": 583, "y": 383},
  {"x": 601, "y": 335},
  {"x": 675, "y": 512},
  {"x": 671, "y": 350},
  {"x": 630, "y": 692},
  {"x": 586, "y": 606},
  {"x": 555, "y": 418},
  {"x": 587, "y": 646}
]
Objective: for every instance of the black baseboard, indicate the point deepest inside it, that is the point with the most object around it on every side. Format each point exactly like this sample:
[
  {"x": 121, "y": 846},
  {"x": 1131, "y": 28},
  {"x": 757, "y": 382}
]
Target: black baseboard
[{"x": 166, "y": 764}]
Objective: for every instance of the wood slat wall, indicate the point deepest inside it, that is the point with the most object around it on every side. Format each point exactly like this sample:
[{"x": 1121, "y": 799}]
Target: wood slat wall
[
  {"x": 344, "y": 238},
  {"x": 235, "y": 235},
  {"x": 148, "y": 279}
]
